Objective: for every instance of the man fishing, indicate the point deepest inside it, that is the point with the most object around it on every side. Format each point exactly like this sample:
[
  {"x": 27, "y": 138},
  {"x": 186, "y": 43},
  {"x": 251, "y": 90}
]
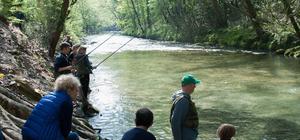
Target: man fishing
[
  {"x": 62, "y": 64},
  {"x": 84, "y": 69}
]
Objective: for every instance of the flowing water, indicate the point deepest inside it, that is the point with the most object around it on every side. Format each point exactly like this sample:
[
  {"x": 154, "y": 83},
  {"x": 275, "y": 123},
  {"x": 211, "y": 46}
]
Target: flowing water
[{"x": 258, "y": 93}]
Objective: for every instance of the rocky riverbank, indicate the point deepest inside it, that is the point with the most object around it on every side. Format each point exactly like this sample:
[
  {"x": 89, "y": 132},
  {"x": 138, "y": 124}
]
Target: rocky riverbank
[{"x": 25, "y": 77}]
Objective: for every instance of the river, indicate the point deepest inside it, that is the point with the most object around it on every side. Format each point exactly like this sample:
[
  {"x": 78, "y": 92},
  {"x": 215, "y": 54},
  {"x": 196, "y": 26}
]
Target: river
[{"x": 258, "y": 93}]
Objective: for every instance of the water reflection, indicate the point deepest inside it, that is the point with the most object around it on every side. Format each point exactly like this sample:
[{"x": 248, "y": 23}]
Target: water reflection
[{"x": 106, "y": 97}]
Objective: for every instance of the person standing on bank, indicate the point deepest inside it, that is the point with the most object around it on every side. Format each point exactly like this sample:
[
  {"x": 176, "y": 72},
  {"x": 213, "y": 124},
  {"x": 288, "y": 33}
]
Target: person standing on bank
[
  {"x": 183, "y": 116},
  {"x": 84, "y": 69},
  {"x": 51, "y": 118},
  {"x": 62, "y": 64},
  {"x": 143, "y": 120}
]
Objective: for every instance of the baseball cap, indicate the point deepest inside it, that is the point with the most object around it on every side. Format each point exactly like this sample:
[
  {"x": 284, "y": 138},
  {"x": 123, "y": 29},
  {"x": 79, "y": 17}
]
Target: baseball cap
[{"x": 189, "y": 79}]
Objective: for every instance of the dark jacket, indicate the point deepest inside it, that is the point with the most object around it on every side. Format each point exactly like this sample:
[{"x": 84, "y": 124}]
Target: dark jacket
[
  {"x": 51, "y": 119},
  {"x": 83, "y": 65},
  {"x": 61, "y": 61},
  {"x": 138, "y": 134},
  {"x": 184, "y": 117},
  {"x": 71, "y": 57}
]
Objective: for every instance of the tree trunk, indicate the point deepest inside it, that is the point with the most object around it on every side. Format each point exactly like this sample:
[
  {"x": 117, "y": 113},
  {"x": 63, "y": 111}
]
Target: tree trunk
[
  {"x": 59, "y": 28},
  {"x": 221, "y": 21},
  {"x": 149, "y": 24},
  {"x": 137, "y": 16},
  {"x": 289, "y": 13},
  {"x": 251, "y": 13},
  {"x": 15, "y": 108},
  {"x": 4, "y": 20}
]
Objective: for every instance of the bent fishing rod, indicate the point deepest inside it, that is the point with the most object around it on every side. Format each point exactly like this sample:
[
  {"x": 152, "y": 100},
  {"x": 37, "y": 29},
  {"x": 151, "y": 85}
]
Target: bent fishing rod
[
  {"x": 93, "y": 49},
  {"x": 113, "y": 53}
]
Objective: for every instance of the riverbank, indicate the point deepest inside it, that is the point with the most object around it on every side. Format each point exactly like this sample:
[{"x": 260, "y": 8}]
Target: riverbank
[
  {"x": 25, "y": 76},
  {"x": 237, "y": 38}
]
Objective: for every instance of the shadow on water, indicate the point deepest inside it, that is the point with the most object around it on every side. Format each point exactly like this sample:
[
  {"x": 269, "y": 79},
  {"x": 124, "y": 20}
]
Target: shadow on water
[
  {"x": 210, "y": 120},
  {"x": 219, "y": 62},
  {"x": 234, "y": 60},
  {"x": 247, "y": 125},
  {"x": 281, "y": 129}
]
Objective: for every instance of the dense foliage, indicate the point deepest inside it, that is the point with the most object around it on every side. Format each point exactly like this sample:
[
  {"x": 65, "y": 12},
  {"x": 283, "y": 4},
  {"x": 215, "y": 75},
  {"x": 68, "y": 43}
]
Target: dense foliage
[
  {"x": 250, "y": 24},
  {"x": 47, "y": 21}
]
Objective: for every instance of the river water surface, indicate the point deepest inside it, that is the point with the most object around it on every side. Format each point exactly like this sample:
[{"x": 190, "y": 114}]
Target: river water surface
[{"x": 258, "y": 93}]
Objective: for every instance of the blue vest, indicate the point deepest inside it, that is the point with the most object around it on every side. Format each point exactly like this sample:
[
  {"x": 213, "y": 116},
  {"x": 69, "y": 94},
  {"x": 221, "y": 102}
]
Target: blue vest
[{"x": 45, "y": 121}]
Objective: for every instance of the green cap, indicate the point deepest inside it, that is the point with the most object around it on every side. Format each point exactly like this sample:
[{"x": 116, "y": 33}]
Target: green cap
[{"x": 189, "y": 79}]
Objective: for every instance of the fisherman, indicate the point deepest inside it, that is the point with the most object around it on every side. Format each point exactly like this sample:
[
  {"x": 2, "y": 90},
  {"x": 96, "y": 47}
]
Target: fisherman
[
  {"x": 62, "y": 64},
  {"x": 83, "y": 70},
  {"x": 51, "y": 118},
  {"x": 183, "y": 115}
]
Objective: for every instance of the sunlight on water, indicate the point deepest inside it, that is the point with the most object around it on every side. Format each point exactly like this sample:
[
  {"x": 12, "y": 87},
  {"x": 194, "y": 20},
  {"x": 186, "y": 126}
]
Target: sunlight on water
[
  {"x": 259, "y": 94},
  {"x": 138, "y": 44}
]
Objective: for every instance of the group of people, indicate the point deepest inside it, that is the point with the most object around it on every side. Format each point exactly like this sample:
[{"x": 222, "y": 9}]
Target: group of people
[
  {"x": 183, "y": 117},
  {"x": 51, "y": 118},
  {"x": 73, "y": 59}
]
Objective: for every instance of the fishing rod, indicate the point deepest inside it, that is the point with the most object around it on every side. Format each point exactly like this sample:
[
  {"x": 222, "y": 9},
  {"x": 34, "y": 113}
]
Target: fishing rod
[
  {"x": 94, "y": 49},
  {"x": 101, "y": 43},
  {"x": 113, "y": 53}
]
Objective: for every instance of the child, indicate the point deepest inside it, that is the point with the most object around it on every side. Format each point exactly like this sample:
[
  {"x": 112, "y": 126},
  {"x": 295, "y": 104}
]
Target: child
[{"x": 226, "y": 131}]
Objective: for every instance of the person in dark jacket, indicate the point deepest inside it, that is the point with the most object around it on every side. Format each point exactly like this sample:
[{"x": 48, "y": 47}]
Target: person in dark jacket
[
  {"x": 143, "y": 120},
  {"x": 62, "y": 64},
  {"x": 226, "y": 131},
  {"x": 51, "y": 118},
  {"x": 83, "y": 70},
  {"x": 183, "y": 116}
]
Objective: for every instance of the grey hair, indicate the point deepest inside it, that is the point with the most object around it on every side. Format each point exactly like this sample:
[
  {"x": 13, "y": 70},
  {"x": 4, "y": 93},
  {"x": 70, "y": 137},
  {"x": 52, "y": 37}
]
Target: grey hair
[{"x": 66, "y": 82}]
